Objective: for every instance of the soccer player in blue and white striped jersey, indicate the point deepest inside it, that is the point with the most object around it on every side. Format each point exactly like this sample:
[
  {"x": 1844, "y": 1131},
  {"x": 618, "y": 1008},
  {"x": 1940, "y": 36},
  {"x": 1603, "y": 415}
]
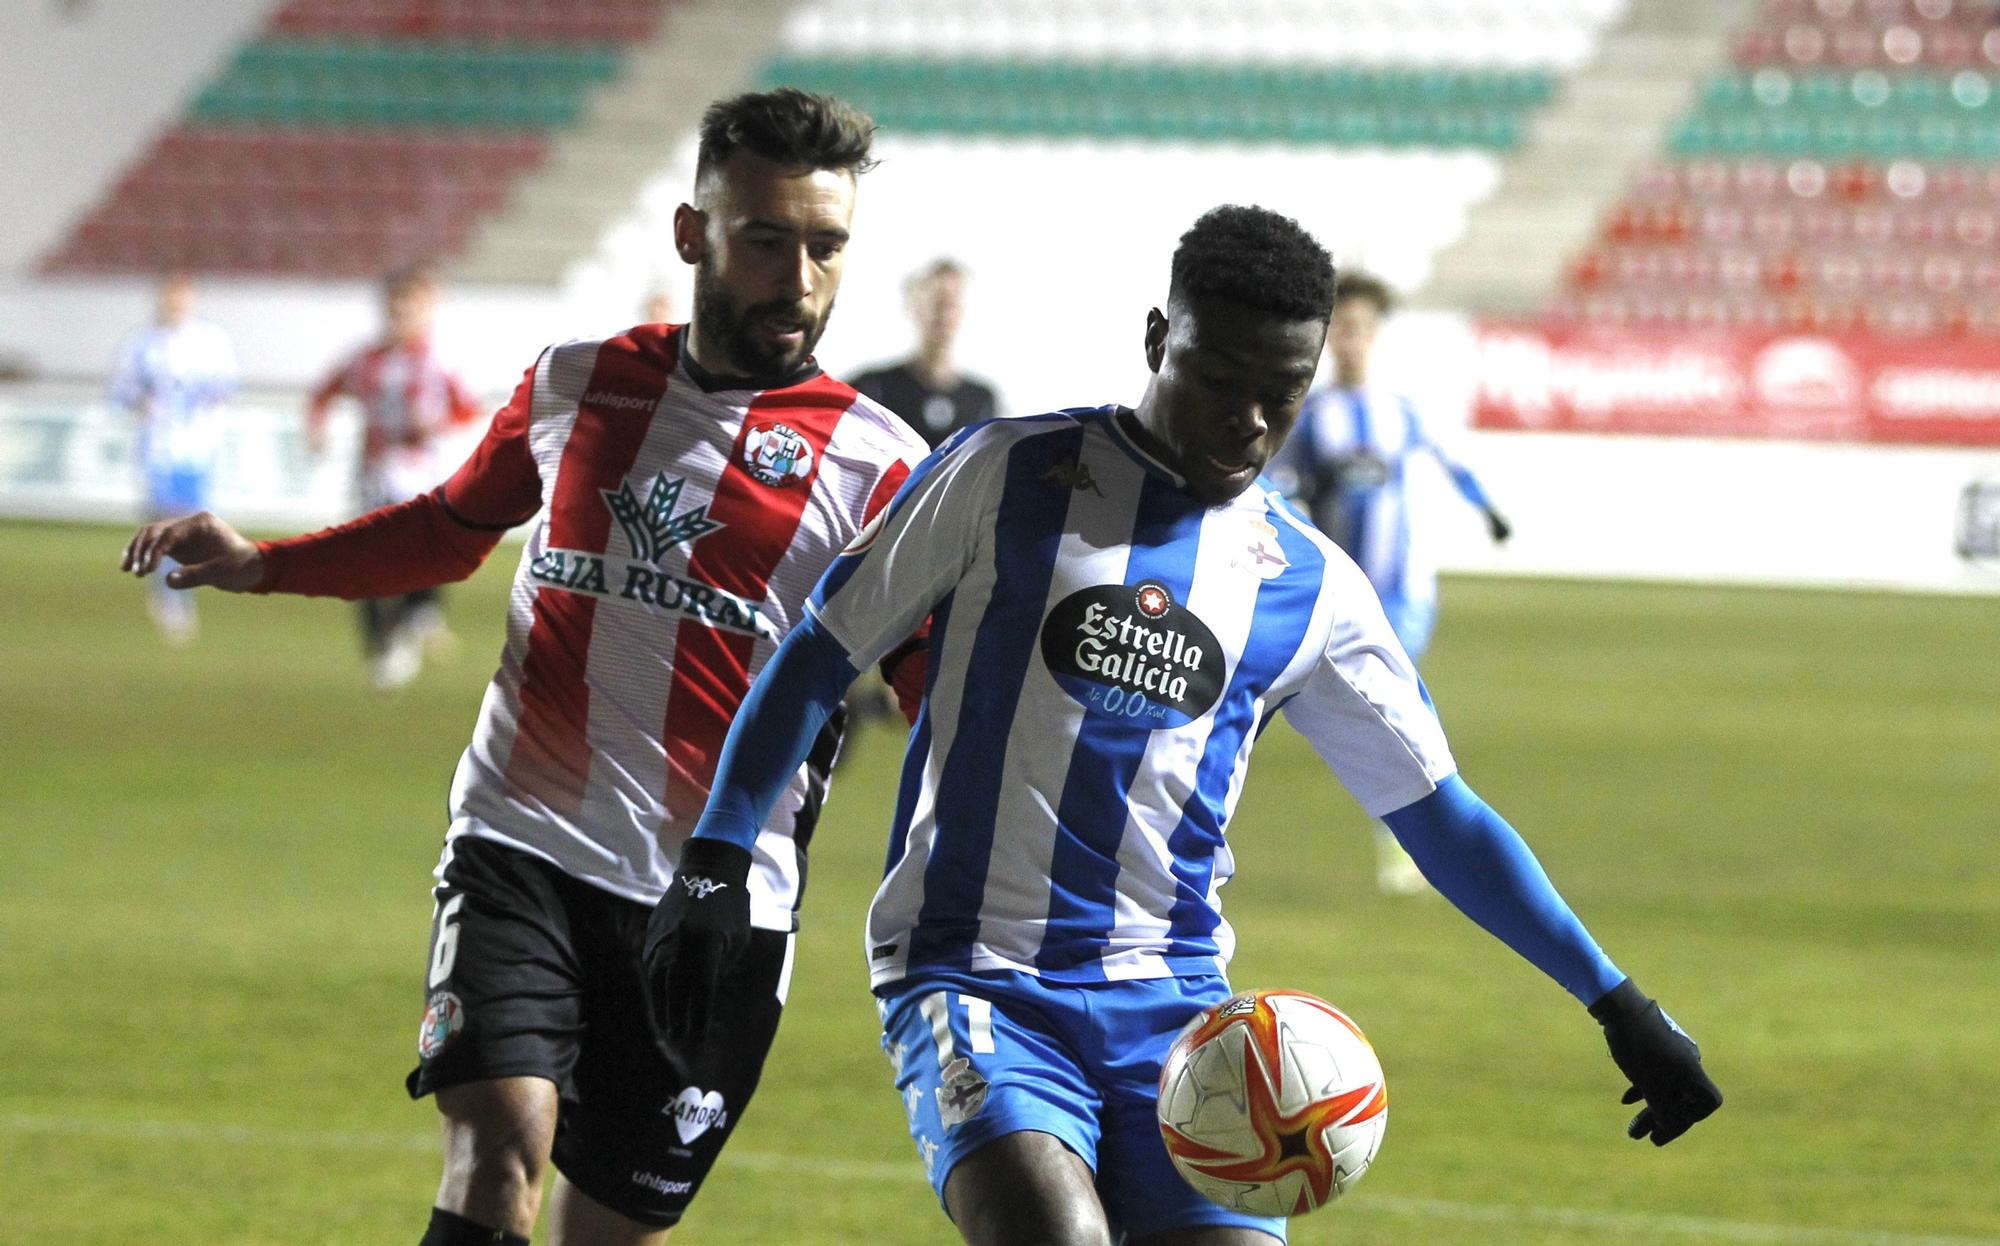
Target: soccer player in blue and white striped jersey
[
  {"x": 173, "y": 376},
  {"x": 1348, "y": 462},
  {"x": 1119, "y": 603}
]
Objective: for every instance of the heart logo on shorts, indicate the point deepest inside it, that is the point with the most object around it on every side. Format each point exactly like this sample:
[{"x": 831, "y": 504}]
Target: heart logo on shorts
[{"x": 694, "y": 1112}]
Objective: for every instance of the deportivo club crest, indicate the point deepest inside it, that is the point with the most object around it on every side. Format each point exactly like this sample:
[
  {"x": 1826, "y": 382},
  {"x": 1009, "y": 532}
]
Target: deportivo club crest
[
  {"x": 777, "y": 455},
  {"x": 651, "y": 526},
  {"x": 1262, "y": 555}
]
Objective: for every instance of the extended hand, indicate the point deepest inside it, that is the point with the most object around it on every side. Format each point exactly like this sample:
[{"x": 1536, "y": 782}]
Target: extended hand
[
  {"x": 695, "y": 934},
  {"x": 1661, "y": 1061},
  {"x": 210, "y": 552},
  {"x": 1498, "y": 527}
]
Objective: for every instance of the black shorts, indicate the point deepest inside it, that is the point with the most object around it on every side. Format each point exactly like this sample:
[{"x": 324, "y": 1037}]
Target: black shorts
[{"x": 534, "y": 974}]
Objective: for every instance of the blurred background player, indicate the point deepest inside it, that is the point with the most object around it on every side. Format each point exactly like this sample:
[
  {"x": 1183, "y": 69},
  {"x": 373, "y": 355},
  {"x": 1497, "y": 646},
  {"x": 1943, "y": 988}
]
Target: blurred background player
[
  {"x": 928, "y": 390},
  {"x": 173, "y": 376},
  {"x": 660, "y": 306},
  {"x": 409, "y": 399},
  {"x": 1349, "y": 467}
]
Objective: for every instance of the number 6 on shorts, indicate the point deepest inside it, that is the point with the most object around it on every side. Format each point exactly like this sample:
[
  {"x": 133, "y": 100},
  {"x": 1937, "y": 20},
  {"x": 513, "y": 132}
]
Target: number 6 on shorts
[{"x": 444, "y": 951}]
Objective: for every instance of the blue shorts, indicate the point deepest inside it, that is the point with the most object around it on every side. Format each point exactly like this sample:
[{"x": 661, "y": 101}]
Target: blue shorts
[
  {"x": 982, "y": 1055},
  {"x": 178, "y": 489}
]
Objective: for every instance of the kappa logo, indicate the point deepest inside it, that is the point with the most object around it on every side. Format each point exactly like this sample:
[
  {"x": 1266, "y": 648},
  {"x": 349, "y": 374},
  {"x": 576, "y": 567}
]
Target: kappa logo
[
  {"x": 699, "y": 888},
  {"x": 777, "y": 455},
  {"x": 1073, "y": 475},
  {"x": 651, "y": 527}
]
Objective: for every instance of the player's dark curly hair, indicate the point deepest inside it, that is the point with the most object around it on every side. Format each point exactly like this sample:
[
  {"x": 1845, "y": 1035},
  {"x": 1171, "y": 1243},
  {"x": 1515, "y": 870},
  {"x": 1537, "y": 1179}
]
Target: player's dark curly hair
[
  {"x": 789, "y": 126},
  {"x": 1255, "y": 257},
  {"x": 1359, "y": 285}
]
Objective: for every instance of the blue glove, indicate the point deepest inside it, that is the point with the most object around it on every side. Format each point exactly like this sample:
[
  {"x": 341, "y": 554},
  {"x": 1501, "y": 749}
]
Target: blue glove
[
  {"x": 694, "y": 936},
  {"x": 1660, "y": 1060}
]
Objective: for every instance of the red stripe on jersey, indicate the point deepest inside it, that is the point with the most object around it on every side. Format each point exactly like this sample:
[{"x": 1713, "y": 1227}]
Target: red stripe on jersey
[
  {"x": 500, "y": 483},
  {"x": 550, "y": 760},
  {"x": 885, "y": 489},
  {"x": 712, "y": 667}
]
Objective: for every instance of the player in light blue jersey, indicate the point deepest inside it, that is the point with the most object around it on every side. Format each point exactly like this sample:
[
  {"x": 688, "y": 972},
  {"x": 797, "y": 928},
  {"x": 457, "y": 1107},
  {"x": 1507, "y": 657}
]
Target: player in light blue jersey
[
  {"x": 1349, "y": 464},
  {"x": 173, "y": 376},
  {"x": 1119, "y": 603}
]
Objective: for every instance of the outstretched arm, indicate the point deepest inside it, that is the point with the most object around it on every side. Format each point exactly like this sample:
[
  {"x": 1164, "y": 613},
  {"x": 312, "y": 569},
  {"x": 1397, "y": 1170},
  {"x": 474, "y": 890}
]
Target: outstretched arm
[
  {"x": 1478, "y": 862},
  {"x": 439, "y": 537},
  {"x": 1463, "y": 479}
]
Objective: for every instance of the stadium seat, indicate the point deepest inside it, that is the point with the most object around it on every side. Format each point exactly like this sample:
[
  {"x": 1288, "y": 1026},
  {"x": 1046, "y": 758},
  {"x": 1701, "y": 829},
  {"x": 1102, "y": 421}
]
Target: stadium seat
[{"x": 354, "y": 132}]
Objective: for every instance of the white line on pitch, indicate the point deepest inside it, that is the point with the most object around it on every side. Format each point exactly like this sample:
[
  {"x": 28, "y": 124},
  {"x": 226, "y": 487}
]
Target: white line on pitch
[{"x": 1698, "y": 1227}]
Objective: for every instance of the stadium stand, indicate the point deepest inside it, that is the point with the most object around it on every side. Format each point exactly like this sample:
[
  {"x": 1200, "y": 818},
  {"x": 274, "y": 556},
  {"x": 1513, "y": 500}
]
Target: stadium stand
[
  {"x": 352, "y": 136},
  {"x": 1842, "y": 173},
  {"x": 1377, "y": 124}
]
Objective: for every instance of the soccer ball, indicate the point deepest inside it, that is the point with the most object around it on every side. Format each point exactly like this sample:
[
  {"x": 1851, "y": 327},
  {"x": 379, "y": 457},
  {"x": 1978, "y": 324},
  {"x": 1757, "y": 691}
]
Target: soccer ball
[{"x": 1272, "y": 1103}]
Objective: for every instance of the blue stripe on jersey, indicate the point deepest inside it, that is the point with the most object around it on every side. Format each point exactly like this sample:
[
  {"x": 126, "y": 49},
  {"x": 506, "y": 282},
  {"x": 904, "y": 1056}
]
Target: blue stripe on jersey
[
  {"x": 842, "y": 570},
  {"x": 1354, "y": 537},
  {"x": 1027, "y": 535},
  {"x": 917, "y": 755},
  {"x": 1090, "y": 816},
  {"x": 1284, "y": 608}
]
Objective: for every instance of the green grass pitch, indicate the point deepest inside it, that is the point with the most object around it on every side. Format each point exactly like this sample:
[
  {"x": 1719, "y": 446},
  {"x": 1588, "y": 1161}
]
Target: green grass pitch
[{"x": 1779, "y": 811}]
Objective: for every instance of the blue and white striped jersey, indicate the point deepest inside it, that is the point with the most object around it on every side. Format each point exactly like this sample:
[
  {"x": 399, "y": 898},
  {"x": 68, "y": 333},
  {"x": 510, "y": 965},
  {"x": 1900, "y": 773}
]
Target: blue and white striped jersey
[
  {"x": 1104, "y": 651},
  {"x": 1349, "y": 460},
  {"x": 175, "y": 378}
]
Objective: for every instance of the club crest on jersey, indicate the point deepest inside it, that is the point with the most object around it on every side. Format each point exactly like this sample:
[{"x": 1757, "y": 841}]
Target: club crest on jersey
[
  {"x": 1261, "y": 555},
  {"x": 444, "y": 1017},
  {"x": 651, "y": 527},
  {"x": 1127, "y": 651},
  {"x": 777, "y": 455}
]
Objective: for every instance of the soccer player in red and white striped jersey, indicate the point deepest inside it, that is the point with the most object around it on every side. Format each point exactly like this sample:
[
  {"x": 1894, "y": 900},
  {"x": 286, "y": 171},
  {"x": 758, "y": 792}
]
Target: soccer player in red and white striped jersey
[
  {"x": 409, "y": 399},
  {"x": 687, "y": 486}
]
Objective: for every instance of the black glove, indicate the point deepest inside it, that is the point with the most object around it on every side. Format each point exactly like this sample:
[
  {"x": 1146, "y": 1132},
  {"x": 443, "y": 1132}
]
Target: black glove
[
  {"x": 695, "y": 934},
  {"x": 1661, "y": 1061},
  {"x": 1498, "y": 527}
]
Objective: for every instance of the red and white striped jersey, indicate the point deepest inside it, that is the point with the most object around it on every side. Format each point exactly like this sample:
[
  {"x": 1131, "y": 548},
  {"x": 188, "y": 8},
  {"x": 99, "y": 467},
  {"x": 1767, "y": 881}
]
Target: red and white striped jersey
[
  {"x": 408, "y": 397},
  {"x": 681, "y": 522}
]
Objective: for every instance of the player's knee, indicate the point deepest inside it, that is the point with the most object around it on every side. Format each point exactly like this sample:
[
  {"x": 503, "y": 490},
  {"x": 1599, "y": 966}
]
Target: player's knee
[
  {"x": 495, "y": 1161},
  {"x": 1057, "y": 1225},
  {"x": 1034, "y": 1217}
]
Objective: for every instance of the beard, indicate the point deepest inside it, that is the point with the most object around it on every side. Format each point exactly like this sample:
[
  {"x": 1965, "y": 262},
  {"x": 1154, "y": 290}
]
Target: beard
[{"x": 724, "y": 323}]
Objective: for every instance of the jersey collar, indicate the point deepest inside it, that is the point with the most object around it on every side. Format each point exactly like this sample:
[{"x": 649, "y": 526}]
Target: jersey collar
[
  {"x": 1114, "y": 422},
  {"x": 711, "y": 383}
]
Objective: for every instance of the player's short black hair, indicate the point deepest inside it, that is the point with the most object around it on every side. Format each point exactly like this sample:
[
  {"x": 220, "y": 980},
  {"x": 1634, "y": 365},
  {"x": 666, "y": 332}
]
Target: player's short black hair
[
  {"x": 1359, "y": 285},
  {"x": 788, "y": 126},
  {"x": 1255, "y": 257}
]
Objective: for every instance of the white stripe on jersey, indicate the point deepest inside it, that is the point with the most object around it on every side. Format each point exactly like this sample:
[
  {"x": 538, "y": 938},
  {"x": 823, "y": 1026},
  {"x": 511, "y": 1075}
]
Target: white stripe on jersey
[
  {"x": 1067, "y": 822},
  {"x": 616, "y": 816}
]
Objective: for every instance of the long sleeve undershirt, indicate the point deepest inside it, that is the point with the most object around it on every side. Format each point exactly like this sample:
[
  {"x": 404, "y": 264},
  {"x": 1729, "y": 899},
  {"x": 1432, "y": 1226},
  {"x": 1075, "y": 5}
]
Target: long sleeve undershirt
[
  {"x": 1478, "y": 862},
  {"x": 1469, "y": 852}
]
